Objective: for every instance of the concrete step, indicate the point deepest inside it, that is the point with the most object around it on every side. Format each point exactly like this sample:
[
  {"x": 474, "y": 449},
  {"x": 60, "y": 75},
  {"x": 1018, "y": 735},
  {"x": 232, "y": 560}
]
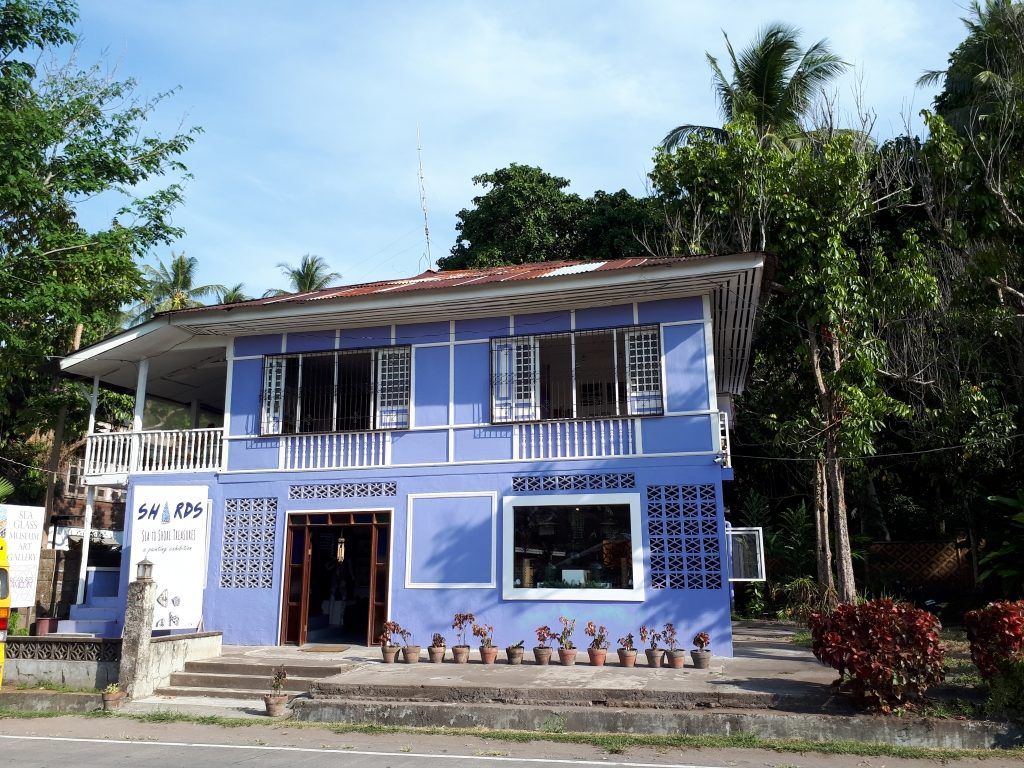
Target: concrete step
[
  {"x": 89, "y": 612},
  {"x": 238, "y": 682},
  {"x": 97, "y": 627},
  {"x": 109, "y": 601},
  {"x": 222, "y": 666},
  {"x": 185, "y": 691}
]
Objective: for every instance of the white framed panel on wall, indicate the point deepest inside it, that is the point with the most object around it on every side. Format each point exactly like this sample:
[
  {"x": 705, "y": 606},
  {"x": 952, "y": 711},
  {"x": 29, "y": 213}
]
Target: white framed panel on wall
[
  {"x": 446, "y": 536},
  {"x": 540, "y": 561}
]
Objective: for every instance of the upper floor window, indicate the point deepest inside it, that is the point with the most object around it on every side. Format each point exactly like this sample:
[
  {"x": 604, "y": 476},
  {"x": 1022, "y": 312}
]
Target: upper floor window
[
  {"x": 340, "y": 391},
  {"x": 578, "y": 375}
]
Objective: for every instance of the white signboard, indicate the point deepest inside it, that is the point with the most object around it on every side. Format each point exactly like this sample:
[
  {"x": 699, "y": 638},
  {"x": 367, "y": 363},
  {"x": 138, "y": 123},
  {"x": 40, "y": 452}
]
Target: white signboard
[
  {"x": 171, "y": 527},
  {"x": 23, "y": 529}
]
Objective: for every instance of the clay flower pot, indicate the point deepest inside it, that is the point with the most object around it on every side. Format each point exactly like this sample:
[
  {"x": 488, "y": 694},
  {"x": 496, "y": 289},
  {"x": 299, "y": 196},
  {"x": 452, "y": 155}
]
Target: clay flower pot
[
  {"x": 598, "y": 656},
  {"x": 488, "y": 654},
  {"x": 542, "y": 655},
  {"x": 389, "y": 652},
  {"x": 676, "y": 658},
  {"x": 627, "y": 657},
  {"x": 567, "y": 656},
  {"x": 701, "y": 658},
  {"x": 436, "y": 653},
  {"x": 411, "y": 654},
  {"x": 514, "y": 654},
  {"x": 275, "y": 703},
  {"x": 654, "y": 657},
  {"x": 460, "y": 654},
  {"x": 115, "y": 699}
]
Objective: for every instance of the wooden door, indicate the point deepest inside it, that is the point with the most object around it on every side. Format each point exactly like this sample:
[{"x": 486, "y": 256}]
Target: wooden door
[
  {"x": 296, "y": 586},
  {"x": 380, "y": 546}
]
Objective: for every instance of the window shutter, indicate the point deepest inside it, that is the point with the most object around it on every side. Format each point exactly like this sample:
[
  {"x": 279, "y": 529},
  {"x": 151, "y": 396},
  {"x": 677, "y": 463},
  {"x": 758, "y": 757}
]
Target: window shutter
[
  {"x": 273, "y": 395},
  {"x": 643, "y": 364},
  {"x": 502, "y": 378},
  {"x": 514, "y": 380},
  {"x": 527, "y": 379},
  {"x": 393, "y": 385},
  {"x": 746, "y": 554}
]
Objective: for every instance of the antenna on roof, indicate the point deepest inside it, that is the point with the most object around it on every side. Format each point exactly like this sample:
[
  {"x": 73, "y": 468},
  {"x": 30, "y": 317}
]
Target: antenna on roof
[{"x": 423, "y": 198}]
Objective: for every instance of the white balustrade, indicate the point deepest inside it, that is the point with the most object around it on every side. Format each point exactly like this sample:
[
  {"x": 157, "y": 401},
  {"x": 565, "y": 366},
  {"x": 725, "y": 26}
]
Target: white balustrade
[
  {"x": 576, "y": 439},
  {"x": 164, "y": 450},
  {"x": 335, "y": 451},
  {"x": 723, "y": 431}
]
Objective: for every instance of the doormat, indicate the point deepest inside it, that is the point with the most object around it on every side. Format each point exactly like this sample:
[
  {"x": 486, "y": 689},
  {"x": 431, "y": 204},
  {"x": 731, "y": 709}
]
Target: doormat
[{"x": 323, "y": 648}]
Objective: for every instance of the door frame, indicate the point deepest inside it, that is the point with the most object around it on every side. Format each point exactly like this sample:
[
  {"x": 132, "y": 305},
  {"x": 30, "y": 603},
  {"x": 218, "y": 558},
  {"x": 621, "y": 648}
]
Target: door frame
[{"x": 282, "y": 571}]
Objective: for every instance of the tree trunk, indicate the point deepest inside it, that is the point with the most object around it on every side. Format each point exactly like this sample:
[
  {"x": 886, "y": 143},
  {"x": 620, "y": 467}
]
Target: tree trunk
[
  {"x": 53, "y": 464},
  {"x": 846, "y": 588},
  {"x": 821, "y": 532}
]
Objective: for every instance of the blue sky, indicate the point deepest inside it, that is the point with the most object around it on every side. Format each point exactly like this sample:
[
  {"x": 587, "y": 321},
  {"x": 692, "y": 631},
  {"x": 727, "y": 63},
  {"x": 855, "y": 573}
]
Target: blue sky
[{"x": 310, "y": 110}]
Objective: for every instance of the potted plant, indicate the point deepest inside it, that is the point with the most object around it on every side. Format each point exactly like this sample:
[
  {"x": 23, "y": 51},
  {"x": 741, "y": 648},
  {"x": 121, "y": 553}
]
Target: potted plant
[
  {"x": 566, "y": 649},
  {"x": 514, "y": 653},
  {"x": 542, "y": 651},
  {"x": 276, "y": 699},
  {"x": 460, "y": 652},
  {"x": 676, "y": 655},
  {"x": 627, "y": 651},
  {"x": 410, "y": 651},
  {"x": 388, "y": 648},
  {"x": 598, "y": 648},
  {"x": 701, "y": 655},
  {"x": 437, "y": 648},
  {"x": 652, "y": 637},
  {"x": 113, "y": 697},
  {"x": 488, "y": 651}
]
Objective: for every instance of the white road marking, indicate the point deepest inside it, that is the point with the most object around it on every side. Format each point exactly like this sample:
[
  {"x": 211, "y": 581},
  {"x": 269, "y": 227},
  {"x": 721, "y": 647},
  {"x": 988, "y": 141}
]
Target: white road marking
[{"x": 364, "y": 753}]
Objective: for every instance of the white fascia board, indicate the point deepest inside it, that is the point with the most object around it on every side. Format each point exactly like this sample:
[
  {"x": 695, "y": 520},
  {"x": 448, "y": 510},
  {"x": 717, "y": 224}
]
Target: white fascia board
[{"x": 97, "y": 349}]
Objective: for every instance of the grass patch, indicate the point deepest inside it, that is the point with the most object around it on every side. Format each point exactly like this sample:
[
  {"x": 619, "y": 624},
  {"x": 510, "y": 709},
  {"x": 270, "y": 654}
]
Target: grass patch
[
  {"x": 802, "y": 638},
  {"x": 50, "y": 685},
  {"x": 7, "y": 713}
]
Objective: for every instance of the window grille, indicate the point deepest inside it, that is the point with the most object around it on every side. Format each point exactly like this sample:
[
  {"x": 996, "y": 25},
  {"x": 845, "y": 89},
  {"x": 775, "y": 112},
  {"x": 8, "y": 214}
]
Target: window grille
[
  {"x": 580, "y": 375},
  {"x": 340, "y": 391}
]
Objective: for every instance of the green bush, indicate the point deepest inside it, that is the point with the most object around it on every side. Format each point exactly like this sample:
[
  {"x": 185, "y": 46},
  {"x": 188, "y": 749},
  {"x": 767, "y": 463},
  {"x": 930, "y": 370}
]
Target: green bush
[{"x": 1006, "y": 688}]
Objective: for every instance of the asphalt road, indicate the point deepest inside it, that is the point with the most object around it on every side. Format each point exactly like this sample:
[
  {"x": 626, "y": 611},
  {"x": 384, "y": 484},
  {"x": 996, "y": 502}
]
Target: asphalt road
[{"x": 85, "y": 742}]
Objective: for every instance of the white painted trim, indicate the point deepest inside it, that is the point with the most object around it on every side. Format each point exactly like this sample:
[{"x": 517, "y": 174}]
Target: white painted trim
[
  {"x": 636, "y": 313},
  {"x": 284, "y": 343},
  {"x": 140, "y": 394},
  {"x": 674, "y": 323},
  {"x": 394, "y": 333},
  {"x": 661, "y": 368},
  {"x": 228, "y": 390},
  {"x": 636, "y": 594},
  {"x": 337, "y": 338},
  {"x": 410, "y": 506},
  {"x": 729, "y": 531},
  {"x": 709, "y": 356},
  {"x": 412, "y": 387}
]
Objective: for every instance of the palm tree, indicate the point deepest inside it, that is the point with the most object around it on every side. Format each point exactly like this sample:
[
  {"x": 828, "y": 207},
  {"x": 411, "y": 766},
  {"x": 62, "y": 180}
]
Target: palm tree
[
  {"x": 233, "y": 295},
  {"x": 312, "y": 274},
  {"x": 773, "y": 81},
  {"x": 172, "y": 287}
]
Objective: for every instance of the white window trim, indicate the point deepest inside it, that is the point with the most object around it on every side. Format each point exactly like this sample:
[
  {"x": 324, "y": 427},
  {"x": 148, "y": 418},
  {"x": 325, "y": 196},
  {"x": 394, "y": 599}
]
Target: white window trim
[
  {"x": 409, "y": 583},
  {"x": 730, "y": 532},
  {"x": 508, "y": 589}
]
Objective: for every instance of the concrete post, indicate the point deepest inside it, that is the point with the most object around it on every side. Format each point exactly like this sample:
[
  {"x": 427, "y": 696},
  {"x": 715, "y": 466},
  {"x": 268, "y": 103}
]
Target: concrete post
[{"x": 135, "y": 677}]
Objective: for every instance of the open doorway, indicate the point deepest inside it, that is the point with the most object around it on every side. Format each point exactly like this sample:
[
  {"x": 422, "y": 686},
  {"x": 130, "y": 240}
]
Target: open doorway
[{"x": 336, "y": 578}]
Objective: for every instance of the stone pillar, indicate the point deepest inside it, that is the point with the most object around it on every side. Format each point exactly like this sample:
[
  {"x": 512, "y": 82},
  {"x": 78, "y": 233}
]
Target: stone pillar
[{"x": 135, "y": 677}]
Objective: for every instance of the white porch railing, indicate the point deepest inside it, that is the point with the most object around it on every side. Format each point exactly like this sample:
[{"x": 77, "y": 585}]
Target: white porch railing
[
  {"x": 165, "y": 450},
  {"x": 576, "y": 439},
  {"x": 723, "y": 432},
  {"x": 335, "y": 451}
]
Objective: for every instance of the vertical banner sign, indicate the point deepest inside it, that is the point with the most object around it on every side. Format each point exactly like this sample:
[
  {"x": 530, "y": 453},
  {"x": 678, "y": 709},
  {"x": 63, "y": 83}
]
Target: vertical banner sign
[
  {"x": 23, "y": 529},
  {"x": 171, "y": 527}
]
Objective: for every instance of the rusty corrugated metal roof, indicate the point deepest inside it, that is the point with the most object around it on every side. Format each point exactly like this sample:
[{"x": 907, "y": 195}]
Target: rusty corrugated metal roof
[{"x": 455, "y": 278}]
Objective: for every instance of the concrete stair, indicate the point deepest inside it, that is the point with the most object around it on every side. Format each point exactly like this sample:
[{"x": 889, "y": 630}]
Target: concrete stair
[
  {"x": 227, "y": 679},
  {"x": 97, "y": 627}
]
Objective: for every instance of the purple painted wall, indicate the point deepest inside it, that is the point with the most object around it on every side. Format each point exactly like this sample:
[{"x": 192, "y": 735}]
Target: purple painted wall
[
  {"x": 430, "y": 395},
  {"x": 670, "y": 310},
  {"x": 472, "y": 390},
  {"x": 450, "y": 540},
  {"x": 419, "y": 447},
  {"x": 246, "y": 382},
  {"x": 258, "y": 345},
  {"x": 309, "y": 341},
  {"x": 686, "y": 368}
]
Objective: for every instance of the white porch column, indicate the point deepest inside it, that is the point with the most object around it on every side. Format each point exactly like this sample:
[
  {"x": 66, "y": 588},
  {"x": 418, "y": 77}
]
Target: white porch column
[
  {"x": 140, "y": 408},
  {"x": 90, "y": 496},
  {"x": 93, "y": 400}
]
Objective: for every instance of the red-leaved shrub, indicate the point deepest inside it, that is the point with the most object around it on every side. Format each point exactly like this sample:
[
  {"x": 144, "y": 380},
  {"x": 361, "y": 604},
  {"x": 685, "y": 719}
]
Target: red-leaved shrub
[
  {"x": 887, "y": 653},
  {"x": 996, "y": 635}
]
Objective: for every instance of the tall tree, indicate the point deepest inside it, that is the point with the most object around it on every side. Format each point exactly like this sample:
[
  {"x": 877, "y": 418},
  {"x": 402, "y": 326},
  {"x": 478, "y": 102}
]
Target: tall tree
[
  {"x": 772, "y": 81},
  {"x": 172, "y": 286},
  {"x": 233, "y": 294},
  {"x": 312, "y": 274},
  {"x": 66, "y": 135}
]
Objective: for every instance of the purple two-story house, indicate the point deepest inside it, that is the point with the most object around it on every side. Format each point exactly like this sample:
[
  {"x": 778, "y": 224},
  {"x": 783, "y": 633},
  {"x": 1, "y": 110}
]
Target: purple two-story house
[{"x": 522, "y": 443}]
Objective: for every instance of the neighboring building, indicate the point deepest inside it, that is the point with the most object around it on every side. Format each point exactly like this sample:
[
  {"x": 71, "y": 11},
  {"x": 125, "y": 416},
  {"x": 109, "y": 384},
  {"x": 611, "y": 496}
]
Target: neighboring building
[{"x": 521, "y": 442}]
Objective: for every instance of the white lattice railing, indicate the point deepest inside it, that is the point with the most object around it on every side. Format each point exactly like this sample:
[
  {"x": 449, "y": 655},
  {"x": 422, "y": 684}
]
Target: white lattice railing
[
  {"x": 576, "y": 439},
  {"x": 335, "y": 451},
  {"x": 164, "y": 450},
  {"x": 723, "y": 432}
]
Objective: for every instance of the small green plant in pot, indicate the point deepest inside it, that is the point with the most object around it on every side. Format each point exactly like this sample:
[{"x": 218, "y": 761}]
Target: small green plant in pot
[
  {"x": 437, "y": 648},
  {"x": 488, "y": 651},
  {"x": 627, "y": 651},
  {"x": 113, "y": 697},
  {"x": 700, "y": 653},
  {"x": 276, "y": 700},
  {"x": 514, "y": 653},
  {"x": 598, "y": 648},
  {"x": 652, "y": 637},
  {"x": 566, "y": 648}
]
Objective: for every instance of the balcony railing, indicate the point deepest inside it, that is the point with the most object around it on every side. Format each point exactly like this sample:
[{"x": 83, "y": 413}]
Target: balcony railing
[
  {"x": 165, "y": 450},
  {"x": 576, "y": 439},
  {"x": 723, "y": 432},
  {"x": 336, "y": 451}
]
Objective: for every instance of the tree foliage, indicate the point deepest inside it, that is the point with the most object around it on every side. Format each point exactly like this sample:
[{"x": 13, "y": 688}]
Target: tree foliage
[{"x": 312, "y": 274}]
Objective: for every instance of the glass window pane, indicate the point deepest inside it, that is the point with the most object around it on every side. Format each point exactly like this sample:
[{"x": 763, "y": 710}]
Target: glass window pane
[
  {"x": 746, "y": 551},
  {"x": 572, "y": 547}
]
